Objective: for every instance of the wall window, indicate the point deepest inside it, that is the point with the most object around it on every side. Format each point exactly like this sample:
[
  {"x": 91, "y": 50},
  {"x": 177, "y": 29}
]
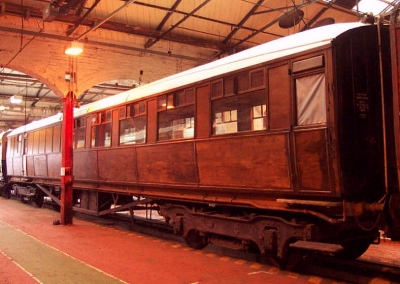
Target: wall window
[
  {"x": 239, "y": 113},
  {"x": 101, "y": 129},
  {"x": 132, "y": 124},
  {"x": 311, "y": 99},
  {"x": 79, "y": 132},
  {"x": 176, "y": 115}
]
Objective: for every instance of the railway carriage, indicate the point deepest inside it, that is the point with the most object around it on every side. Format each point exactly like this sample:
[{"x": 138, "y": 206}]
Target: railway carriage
[
  {"x": 3, "y": 163},
  {"x": 288, "y": 145}
]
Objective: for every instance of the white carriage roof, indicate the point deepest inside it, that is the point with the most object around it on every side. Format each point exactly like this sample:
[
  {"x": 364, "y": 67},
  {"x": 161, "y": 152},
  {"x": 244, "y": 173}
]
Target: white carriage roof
[
  {"x": 265, "y": 52},
  {"x": 37, "y": 124},
  {"x": 262, "y": 53}
]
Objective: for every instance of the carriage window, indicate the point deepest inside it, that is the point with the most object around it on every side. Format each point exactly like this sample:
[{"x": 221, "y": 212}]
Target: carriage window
[
  {"x": 259, "y": 117},
  {"x": 79, "y": 133},
  {"x": 132, "y": 124},
  {"x": 239, "y": 113},
  {"x": 225, "y": 122},
  {"x": 311, "y": 106},
  {"x": 176, "y": 115},
  {"x": 307, "y": 64},
  {"x": 101, "y": 130}
]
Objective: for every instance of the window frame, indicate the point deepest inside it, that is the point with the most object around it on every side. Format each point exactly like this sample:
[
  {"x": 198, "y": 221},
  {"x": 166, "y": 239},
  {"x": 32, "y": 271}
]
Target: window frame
[
  {"x": 304, "y": 74},
  {"x": 133, "y": 111},
  {"x": 170, "y": 103},
  {"x": 101, "y": 119},
  {"x": 80, "y": 125},
  {"x": 218, "y": 104}
]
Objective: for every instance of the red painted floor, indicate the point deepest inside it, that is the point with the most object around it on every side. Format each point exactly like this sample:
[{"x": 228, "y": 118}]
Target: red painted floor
[{"x": 125, "y": 256}]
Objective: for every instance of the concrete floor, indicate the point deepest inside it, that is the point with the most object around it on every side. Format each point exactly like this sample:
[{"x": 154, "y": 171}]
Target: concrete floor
[{"x": 34, "y": 250}]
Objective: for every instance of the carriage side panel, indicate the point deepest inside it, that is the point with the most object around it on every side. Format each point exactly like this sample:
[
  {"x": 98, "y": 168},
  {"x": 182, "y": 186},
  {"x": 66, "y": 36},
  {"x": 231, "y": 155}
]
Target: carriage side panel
[
  {"x": 85, "y": 165},
  {"x": 258, "y": 162},
  {"x": 279, "y": 97},
  {"x": 151, "y": 121},
  {"x": 40, "y": 165},
  {"x": 312, "y": 160},
  {"x": 169, "y": 163},
  {"x": 54, "y": 165},
  {"x": 117, "y": 165},
  {"x": 30, "y": 165},
  {"x": 203, "y": 112}
]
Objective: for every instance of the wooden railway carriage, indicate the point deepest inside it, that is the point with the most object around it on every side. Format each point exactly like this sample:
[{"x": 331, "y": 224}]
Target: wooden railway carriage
[
  {"x": 286, "y": 145},
  {"x": 3, "y": 163}
]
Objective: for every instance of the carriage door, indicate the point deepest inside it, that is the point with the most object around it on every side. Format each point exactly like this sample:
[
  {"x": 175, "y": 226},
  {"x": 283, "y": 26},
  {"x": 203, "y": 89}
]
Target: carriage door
[
  {"x": 21, "y": 152},
  {"x": 23, "y": 147},
  {"x": 310, "y": 130}
]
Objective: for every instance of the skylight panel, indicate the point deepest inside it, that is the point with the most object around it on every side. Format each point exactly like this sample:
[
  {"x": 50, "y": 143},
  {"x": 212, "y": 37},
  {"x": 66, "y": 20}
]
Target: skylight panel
[{"x": 373, "y": 6}]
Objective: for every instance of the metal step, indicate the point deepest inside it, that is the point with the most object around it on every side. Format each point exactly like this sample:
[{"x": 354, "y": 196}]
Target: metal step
[{"x": 323, "y": 247}]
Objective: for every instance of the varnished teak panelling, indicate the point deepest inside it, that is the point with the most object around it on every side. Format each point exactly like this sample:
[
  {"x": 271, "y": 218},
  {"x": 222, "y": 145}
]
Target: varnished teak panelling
[
  {"x": 169, "y": 163},
  {"x": 54, "y": 165},
  {"x": 85, "y": 165},
  {"x": 312, "y": 160},
  {"x": 112, "y": 161},
  {"x": 40, "y": 165},
  {"x": 279, "y": 97},
  {"x": 255, "y": 162}
]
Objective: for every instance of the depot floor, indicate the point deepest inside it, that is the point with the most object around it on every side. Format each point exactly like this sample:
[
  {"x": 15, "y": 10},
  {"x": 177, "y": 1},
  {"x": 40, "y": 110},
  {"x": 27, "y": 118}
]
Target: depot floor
[{"x": 33, "y": 250}]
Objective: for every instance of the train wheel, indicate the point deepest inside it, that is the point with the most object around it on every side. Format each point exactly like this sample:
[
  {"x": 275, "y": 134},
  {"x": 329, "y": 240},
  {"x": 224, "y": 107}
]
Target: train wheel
[
  {"x": 354, "y": 249},
  {"x": 195, "y": 240}
]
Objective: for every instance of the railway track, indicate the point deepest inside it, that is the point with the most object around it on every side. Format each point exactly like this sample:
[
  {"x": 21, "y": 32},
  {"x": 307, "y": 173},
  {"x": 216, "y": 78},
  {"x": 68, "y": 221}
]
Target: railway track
[{"x": 354, "y": 271}]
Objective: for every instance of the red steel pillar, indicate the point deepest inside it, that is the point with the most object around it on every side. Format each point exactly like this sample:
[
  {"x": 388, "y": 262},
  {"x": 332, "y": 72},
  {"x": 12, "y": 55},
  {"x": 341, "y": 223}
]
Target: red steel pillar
[{"x": 66, "y": 209}]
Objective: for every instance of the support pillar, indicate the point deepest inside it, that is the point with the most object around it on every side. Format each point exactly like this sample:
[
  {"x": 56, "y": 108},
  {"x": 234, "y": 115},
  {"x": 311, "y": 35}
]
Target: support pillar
[{"x": 66, "y": 209}]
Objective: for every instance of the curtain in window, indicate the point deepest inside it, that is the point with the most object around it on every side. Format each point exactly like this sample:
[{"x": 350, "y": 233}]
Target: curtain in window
[{"x": 311, "y": 106}]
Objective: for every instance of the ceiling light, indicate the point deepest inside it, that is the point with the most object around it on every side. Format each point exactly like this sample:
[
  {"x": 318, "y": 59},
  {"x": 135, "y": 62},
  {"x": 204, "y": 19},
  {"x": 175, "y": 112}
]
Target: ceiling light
[
  {"x": 74, "y": 48},
  {"x": 16, "y": 99}
]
